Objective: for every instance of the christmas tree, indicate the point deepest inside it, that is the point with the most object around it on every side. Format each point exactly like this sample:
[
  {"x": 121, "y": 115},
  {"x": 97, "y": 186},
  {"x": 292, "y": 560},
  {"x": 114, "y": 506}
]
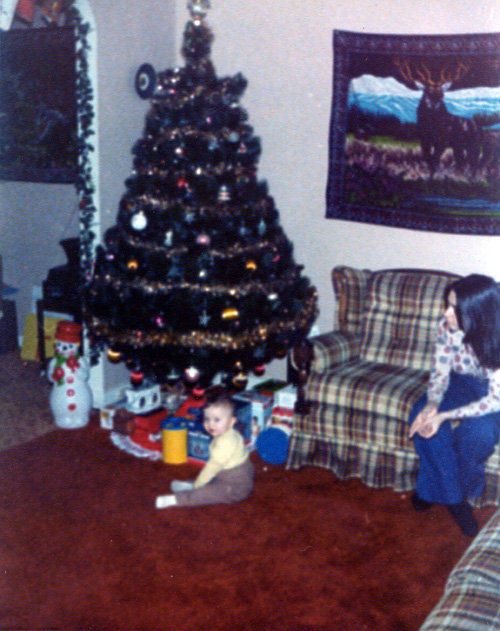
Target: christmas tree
[{"x": 197, "y": 276}]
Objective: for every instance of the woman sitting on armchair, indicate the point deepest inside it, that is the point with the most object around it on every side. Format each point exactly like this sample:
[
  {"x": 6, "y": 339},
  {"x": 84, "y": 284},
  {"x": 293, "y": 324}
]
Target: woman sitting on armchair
[{"x": 464, "y": 386}]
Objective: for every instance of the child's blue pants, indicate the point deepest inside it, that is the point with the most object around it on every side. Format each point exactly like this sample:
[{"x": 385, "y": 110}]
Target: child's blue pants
[{"x": 452, "y": 462}]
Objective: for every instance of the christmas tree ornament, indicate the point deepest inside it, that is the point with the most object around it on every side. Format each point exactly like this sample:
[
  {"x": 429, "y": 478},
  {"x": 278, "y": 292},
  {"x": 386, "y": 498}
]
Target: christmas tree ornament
[
  {"x": 224, "y": 194},
  {"x": 207, "y": 279},
  {"x": 139, "y": 221},
  {"x": 230, "y": 313},
  {"x": 198, "y": 392},
  {"x": 169, "y": 235},
  {"x": 198, "y": 9},
  {"x": 240, "y": 381},
  {"x": 173, "y": 377},
  {"x": 203, "y": 239},
  {"x": 192, "y": 374},
  {"x": 136, "y": 377},
  {"x": 259, "y": 370},
  {"x": 114, "y": 356}
]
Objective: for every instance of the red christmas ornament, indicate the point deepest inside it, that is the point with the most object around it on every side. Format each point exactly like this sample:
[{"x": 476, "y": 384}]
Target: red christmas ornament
[
  {"x": 198, "y": 392},
  {"x": 259, "y": 370},
  {"x": 136, "y": 377}
]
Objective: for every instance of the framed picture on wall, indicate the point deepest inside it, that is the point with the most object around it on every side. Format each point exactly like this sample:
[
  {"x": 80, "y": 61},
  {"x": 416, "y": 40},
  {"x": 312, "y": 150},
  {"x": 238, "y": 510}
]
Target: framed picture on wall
[
  {"x": 415, "y": 131},
  {"x": 38, "y": 128}
]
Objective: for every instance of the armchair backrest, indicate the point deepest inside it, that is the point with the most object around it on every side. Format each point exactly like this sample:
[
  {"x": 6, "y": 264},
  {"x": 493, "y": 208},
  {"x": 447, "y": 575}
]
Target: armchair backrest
[
  {"x": 349, "y": 286},
  {"x": 396, "y": 312}
]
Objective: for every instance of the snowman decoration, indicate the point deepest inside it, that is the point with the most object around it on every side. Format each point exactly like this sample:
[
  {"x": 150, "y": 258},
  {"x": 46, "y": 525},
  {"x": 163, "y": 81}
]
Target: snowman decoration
[{"x": 71, "y": 396}]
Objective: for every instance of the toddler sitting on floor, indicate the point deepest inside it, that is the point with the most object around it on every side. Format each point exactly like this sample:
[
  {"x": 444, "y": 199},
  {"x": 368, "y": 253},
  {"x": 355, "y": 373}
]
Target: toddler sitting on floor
[{"x": 228, "y": 474}]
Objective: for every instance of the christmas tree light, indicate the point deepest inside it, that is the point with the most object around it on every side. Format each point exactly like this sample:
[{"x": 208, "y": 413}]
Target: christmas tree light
[{"x": 197, "y": 276}]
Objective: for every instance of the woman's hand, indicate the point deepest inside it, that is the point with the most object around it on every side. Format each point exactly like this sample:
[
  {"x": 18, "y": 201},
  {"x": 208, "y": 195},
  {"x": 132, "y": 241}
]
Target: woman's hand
[
  {"x": 432, "y": 425},
  {"x": 427, "y": 422}
]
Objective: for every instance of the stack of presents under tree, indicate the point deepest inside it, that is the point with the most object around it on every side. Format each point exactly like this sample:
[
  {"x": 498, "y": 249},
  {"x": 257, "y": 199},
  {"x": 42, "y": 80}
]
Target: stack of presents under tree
[{"x": 167, "y": 422}]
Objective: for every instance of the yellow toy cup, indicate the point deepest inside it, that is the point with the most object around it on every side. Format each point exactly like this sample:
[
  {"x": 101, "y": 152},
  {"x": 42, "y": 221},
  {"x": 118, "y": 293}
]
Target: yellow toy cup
[{"x": 174, "y": 434}]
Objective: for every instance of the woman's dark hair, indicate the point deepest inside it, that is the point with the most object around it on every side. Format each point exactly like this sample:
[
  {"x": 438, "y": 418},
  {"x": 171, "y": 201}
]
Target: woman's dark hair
[{"x": 478, "y": 316}]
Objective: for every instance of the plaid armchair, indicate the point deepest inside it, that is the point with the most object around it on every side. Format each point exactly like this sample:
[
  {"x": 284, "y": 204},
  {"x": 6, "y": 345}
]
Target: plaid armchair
[
  {"x": 365, "y": 376},
  {"x": 472, "y": 592}
]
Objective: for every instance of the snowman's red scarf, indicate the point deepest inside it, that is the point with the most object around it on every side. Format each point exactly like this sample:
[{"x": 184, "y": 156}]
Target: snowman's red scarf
[{"x": 58, "y": 374}]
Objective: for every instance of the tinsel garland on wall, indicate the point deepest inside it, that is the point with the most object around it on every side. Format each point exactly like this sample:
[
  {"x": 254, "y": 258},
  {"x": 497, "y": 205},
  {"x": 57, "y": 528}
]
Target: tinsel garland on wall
[{"x": 84, "y": 183}]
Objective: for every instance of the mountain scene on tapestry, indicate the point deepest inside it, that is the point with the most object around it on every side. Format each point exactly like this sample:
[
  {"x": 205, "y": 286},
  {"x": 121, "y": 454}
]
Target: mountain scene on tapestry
[
  {"x": 197, "y": 277},
  {"x": 415, "y": 133}
]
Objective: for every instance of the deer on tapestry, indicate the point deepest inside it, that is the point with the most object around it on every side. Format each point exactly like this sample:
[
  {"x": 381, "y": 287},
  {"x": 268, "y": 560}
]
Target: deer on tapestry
[{"x": 437, "y": 128}]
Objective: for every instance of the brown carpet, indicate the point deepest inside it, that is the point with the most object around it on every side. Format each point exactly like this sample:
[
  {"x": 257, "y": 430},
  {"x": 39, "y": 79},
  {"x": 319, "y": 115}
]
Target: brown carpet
[
  {"x": 24, "y": 401},
  {"x": 82, "y": 548}
]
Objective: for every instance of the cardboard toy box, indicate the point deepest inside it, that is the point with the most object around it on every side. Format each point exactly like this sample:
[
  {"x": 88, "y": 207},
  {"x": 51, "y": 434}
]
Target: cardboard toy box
[
  {"x": 270, "y": 387},
  {"x": 243, "y": 413},
  {"x": 116, "y": 418},
  {"x": 282, "y": 415},
  {"x": 261, "y": 406},
  {"x": 198, "y": 442},
  {"x": 29, "y": 348},
  {"x": 286, "y": 397}
]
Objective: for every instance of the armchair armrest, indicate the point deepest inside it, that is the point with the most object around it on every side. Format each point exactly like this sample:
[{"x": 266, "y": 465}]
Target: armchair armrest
[
  {"x": 319, "y": 354},
  {"x": 334, "y": 348}
]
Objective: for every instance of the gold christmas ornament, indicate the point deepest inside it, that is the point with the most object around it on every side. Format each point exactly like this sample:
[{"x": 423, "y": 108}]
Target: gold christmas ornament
[
  {"x": 114, "y": 356},
  {"x": 231, "y": 313},
  {"x": 132, "y": 265},
  {"x": 240, "y": 381}
]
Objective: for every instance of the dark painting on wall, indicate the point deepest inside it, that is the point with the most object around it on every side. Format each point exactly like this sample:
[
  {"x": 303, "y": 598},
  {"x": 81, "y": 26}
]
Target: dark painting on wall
[
  {"x": 38, "y": 129},
  {"x": 415, "y": 131}
]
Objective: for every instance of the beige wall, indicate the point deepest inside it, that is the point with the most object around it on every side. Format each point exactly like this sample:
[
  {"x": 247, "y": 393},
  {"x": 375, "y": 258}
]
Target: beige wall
[
  {"x": 284, "y": 49},
  {"x": 33, "y": 219}
]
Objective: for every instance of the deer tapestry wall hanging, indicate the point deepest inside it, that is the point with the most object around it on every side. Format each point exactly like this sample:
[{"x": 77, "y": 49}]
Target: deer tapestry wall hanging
[{"x": 415, "y": 132}]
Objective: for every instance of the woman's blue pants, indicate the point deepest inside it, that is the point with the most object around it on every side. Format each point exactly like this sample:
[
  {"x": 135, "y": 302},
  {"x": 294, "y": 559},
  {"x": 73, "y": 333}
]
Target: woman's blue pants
[{"x": 452, "y": 462}]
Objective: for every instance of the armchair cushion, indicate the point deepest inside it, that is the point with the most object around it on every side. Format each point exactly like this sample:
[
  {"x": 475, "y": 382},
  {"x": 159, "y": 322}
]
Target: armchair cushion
[
  {"x": 402, "y": 309},
  {"x": 341, "y": 397}
]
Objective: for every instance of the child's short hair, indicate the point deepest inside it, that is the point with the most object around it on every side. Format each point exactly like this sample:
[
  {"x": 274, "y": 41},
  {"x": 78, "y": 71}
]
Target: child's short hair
[{"x": 220, "y": 400}]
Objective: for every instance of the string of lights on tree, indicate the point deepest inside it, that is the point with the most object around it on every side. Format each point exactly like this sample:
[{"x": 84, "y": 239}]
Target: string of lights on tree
[{"x": 197, "y": 276}]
